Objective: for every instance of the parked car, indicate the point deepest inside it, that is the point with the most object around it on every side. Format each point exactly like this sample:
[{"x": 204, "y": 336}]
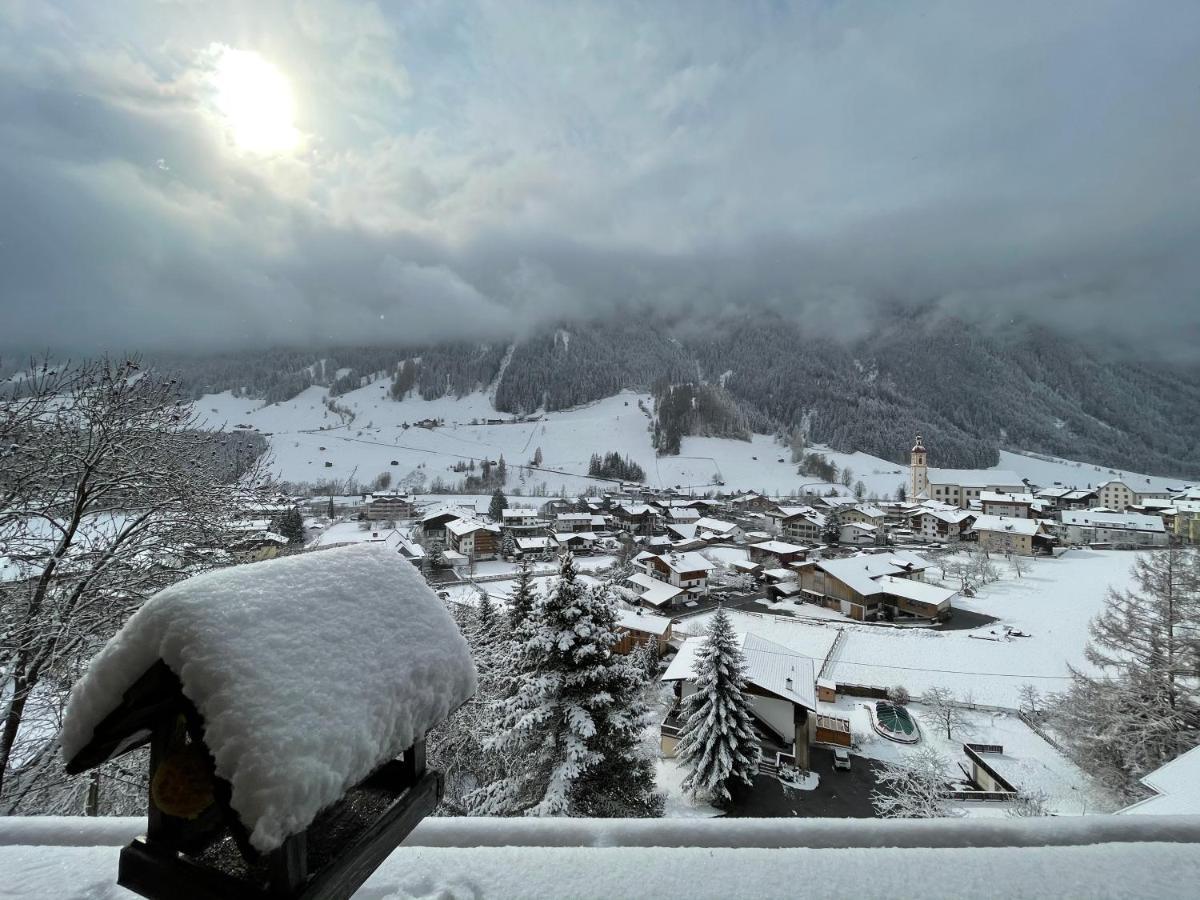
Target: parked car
[{"x": 841, "y": 759}]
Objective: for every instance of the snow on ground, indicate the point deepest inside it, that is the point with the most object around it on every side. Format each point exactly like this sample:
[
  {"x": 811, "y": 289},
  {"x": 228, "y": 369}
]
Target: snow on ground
[
  {"x": 725, "y": 555},
  {"x": 1053, "y": 602},
  {"x": 1040, "y": 767},
  {"x": 718, "y": 858},
  {"x": 364, "y": 447},
  {"x": 669, "y": 776}
]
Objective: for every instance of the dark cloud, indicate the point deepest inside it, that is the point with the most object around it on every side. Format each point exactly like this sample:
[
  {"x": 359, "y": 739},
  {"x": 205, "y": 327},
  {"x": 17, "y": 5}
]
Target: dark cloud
[{"x": 474, "y": 170}]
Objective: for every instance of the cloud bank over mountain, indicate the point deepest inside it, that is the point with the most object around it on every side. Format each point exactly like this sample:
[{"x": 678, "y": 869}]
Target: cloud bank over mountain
[{"x": 473, "y": 170}]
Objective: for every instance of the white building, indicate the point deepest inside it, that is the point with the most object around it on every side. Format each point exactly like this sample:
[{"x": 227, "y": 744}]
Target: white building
[
  {"x": 1086, "y": 526},
  {"x": 956, "y": 486}
]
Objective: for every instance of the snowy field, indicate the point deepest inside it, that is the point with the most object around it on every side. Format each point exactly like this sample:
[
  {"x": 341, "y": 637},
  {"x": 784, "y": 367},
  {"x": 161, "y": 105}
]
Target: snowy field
[
  {"x": 1053, "y": 602},
  {"x": 365, "y": 445}
]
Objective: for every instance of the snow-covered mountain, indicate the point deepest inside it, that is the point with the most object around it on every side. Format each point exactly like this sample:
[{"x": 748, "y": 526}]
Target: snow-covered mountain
[{"x": 971, "y": 391}]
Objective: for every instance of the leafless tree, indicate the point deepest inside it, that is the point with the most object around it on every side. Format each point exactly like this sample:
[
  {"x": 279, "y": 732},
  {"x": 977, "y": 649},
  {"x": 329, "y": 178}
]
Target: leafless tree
[
  {"x": 915, "y": 788},
  {"x": 1029, "y": 804},
  {"x": 944, "y": 709},
  {"x": 899, "y": 695},
  {"x": 1140, "y": 706},
  {"x": 1017, "y": 562},
  {"x": 1031, "y": 701},
  {"x": 111, "y": 490}
]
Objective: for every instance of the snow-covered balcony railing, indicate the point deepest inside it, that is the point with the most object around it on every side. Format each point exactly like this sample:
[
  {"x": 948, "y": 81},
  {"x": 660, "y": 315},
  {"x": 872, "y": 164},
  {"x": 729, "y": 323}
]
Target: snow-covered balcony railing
[{"x": 1086, "y": 856}]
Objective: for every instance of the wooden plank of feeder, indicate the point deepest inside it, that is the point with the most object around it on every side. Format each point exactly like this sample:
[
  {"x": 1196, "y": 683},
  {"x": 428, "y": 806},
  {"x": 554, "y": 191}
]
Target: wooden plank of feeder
[{"x": 346, "y": 874}]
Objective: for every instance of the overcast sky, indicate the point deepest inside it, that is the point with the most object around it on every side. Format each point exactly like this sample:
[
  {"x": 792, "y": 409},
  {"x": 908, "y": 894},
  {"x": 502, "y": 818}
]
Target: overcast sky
[{"x": 470, "y": 169}]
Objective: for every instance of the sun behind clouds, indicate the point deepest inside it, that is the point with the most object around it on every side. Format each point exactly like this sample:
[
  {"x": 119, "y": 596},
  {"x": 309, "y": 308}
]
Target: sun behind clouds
[{"x": 255, "y": 99}]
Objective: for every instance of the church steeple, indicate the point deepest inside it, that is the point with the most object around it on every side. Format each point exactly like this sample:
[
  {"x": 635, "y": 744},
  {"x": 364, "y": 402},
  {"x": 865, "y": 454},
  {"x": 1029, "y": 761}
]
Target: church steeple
[{"x": 918, "y": 477}]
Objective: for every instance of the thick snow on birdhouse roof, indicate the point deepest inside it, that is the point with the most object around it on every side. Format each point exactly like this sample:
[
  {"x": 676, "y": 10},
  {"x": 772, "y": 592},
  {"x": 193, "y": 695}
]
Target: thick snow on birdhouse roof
[{"x": 309, "y": 672}]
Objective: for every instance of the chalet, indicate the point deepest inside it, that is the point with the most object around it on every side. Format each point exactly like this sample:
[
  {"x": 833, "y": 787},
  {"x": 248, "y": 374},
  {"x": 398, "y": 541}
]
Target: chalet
[
  {"x": 712, "y": 530},
  {"x": 802, "y": 524},
  {"x": 778, "y": 553},
  {"x": 574, "y": 521},
  {"x": 473, "y": 539},
  {"x": 635, "y": 627},
  {"x": 751, "y": 503},
  {"x": 1060, "y": 498},
  {"x": 1001, "y": 503},
  {"x": 864, "y": 514},
  {"x": 856, "y": 534},
  {"x": 576, "y": 541},
  {"x": 552, "y": 508},
  {"x": 867, "y": 587},
  {"x": 948, "y": 525},
  {"x": 678, "y": 515},
  {"x": 1002, "y": 534},
  {"x": 434, "y": 522},
  {"x": 389, "y": 507},
  {"x": 636, "y": 518},
  {"x": 257, "y": 546},
  {"x": 536, "y": 545},
  {"x": 780, "y": 688},
  {"x": 686, "y": 571},
  {"x": 1087, "y": 526},
  {"x": 406, "y": 547},
  {"x": 522, "y": 521}
]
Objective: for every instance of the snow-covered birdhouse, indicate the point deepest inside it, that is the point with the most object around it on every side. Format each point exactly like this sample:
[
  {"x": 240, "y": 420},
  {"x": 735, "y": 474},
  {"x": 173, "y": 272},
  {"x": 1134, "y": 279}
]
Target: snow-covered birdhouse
[{"x": 285, "y": 704}]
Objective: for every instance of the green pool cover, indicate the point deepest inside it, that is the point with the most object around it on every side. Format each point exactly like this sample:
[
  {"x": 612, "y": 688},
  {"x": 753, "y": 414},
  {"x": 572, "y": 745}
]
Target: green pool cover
[{"x": 895, "y": 718}]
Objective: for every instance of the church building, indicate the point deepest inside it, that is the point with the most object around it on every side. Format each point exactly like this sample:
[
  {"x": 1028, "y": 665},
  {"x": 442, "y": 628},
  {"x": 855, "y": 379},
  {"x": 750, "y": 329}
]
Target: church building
[{"x": 958, "y": 487}]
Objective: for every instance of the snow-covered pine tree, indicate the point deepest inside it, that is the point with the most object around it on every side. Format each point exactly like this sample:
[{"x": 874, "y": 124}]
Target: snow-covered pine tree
[
  {"x": 520, "y": 601},
  {"x": 1143, "y": 709},
  {"x": 572, "y": 723},
  {"x": 508, "y": 545},
  {"x": 498, "y": 505},
  {"x": 717, "y": 741}
]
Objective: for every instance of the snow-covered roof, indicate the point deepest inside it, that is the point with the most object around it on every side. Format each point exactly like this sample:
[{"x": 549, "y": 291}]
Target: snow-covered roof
[
  {"x": 861, "y": 573},
  {"x": 1176, "y": 785},
  {"x": 686, "y": 562},
  {"x": 636, "y": 509},
  {"x": 684, "y": 513},
  {"x": 533, "y": 543},
  {"x": 1007, "y": 524},
  {"x": 441, "y": 511},
  {"x": 715, "y": 525},
  {"x": 981, "y": 478},
  {"x": 574, "y": 517},
  {"x": 779, "y": 574},
  {"x": 950, "y": 516},
  {"x": 777, "y": 547},
  {"x": 769, "y": 666},
  {"x": 660, "y": 593},
  {"x": 1004, "y": 497},
  {"x": 636, "y": 620},
  {"x": 567, "y": 537},
  {"x": 1089, "y": 518},
  {"x": 309, "y": 672},
  {"x": 684, "y": 530},
  {"x": 915, "y": 590},
  {"x": 867, "y": 509},
  {"x": 461, "y": 527},
  {"x": 518, "y": 512}
]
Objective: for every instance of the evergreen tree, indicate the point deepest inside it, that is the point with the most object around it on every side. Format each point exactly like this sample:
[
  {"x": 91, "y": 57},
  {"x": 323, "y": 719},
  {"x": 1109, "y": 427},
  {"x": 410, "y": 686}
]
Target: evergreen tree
[
  {"x": 571, "y": 726},
  {"x": 290, "y": 524},
  {"x": 520, "y": 601},
  {"x": 1143, "y": 709},
  {"x": 508, "y": 545},
  {"x": 537, "y": 456},
  {"x": 498, "y": 505},
  {"x": 485, "y": 611},
  {"x": 717, "y": 741}
]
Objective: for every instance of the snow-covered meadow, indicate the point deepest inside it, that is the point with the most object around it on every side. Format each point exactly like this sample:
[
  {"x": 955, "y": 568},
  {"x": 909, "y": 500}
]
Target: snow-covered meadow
[{"x": 305, "y": 435}]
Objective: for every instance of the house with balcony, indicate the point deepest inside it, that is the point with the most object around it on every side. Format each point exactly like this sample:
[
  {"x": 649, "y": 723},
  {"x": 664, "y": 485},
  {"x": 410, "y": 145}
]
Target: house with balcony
[
  {"x": 781, "y": 688},
  {"x": 686, "y": 571},
  {"x": 867, "y": 588}
]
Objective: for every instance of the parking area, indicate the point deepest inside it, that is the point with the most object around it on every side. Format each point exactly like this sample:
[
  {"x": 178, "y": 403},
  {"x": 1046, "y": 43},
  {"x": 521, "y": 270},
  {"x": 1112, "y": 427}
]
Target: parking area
[{"x": 841, "y": 794}]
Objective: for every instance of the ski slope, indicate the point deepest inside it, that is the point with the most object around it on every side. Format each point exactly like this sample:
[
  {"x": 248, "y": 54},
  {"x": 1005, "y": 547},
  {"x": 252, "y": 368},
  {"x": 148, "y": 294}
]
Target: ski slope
[{"x": 305, "y": 435}]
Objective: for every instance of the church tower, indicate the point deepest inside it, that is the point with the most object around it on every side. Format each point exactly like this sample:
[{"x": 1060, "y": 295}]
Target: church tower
[{"x": 918, "y": 475}]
